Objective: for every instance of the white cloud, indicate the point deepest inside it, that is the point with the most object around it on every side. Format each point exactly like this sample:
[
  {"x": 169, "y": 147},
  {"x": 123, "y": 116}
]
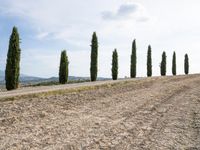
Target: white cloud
[
  {"x": 123, "y": 11},
  {"x": 126, "y": 11},
  {"x": 42, "y": 35},
  {"x": 37, "y": 62}
]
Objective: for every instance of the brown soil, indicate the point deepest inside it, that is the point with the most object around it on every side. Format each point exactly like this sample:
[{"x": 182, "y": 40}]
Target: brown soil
[{"x": 155, "y": 113}]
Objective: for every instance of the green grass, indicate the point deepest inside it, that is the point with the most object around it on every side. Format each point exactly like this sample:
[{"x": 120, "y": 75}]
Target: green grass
[{"x": 49, "y": 83}]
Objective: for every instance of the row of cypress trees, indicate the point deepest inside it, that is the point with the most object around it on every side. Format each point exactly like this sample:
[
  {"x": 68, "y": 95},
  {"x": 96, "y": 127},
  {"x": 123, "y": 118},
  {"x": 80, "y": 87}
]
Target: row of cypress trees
[
  {"x": 163, "y": 63},
  {"x": 149, "y": 62},
  {"x": 63, "y": 72},
  {"x": 13, "y": 62},
  {"x": 133, "y": 66}
]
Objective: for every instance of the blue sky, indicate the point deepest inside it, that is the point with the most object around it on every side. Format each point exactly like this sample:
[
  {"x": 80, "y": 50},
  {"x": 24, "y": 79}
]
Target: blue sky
[{"x": 47, "y": 26}]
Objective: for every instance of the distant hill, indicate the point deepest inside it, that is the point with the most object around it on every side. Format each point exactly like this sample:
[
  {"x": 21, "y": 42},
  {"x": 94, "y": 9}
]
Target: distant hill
[
  {"x": 25, "y": 79},
  {"x": 1, "y": 75}
]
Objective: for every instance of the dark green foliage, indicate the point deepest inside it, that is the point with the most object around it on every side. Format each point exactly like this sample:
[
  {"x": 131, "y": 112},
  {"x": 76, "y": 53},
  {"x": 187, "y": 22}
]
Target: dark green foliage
[
  {"x": 163, "y": 65},
  {"x": 94, "y": 58},
  {"x": 133, "y": 60},
  {"x": 149, "y": 62},
  {"x": 174, "y": 64},
  {"x": 186, "y": 64},
  {"x": 13, "y": 61},
  {"x": 114, "y": 65},
  {"x": 63, "y": 70}
]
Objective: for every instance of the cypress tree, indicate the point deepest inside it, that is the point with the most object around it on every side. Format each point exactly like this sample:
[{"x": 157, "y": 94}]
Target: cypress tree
[
  {"x": 63, "y": 70},
  {"x": 174, "y": 64},
  {"x": 149, "y": 62},
  {"x": 186, "y": 64},
  {"x": 133, "y": 60},
  {"x": 12, "y": 71},
  {"x": 94, "y": 58},
  {"x": 114, "y": 65},
  {"x": 163, "y": 65}
]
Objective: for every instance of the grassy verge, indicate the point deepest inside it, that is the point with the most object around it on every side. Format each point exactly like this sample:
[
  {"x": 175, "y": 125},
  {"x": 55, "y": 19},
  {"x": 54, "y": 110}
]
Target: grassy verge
[
  {"x": 73, "y": 90},
  {"x": 49, "y": 83},
  {"x": 134, "y": 82}
]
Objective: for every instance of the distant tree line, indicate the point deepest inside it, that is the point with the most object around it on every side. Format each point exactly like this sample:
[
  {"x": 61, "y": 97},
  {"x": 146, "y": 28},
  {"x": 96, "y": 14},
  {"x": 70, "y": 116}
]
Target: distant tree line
[{"x": 12, "y": 71}]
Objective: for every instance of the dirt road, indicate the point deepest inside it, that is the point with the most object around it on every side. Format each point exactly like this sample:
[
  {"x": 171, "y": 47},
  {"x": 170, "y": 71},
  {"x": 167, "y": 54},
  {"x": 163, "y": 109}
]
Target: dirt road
[
  {"x": 41, "y": 89},
  {"x": 155, "y": 113}
]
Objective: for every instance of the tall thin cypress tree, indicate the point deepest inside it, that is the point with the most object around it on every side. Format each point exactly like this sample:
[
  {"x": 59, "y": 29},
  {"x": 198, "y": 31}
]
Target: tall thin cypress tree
[
  {"x": 163, "y": 64},
  {"x": 133, "y": 60},
  {"x": 186, "y": 64},
  {"x": 174, "y": 64},
  {"x": 63, "y": 70},
  {"x": 114, "y": 65},
  {"x": 12, "y": 71},
  {"x": 149, "y": 62},
  {"x": 94, "y": 58}
]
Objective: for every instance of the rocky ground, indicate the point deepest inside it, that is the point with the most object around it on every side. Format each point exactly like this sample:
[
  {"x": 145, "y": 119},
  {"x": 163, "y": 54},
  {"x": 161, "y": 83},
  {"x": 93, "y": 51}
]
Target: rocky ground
[{"x": 155, "y": 113}]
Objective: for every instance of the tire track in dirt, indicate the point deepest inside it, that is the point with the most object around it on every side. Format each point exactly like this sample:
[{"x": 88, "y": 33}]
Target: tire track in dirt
[
  {"x": 196, "y": 118},
  {"x": 145, "y": 105},
  {"x": 158, "y": 127},
  {"x": 144, "y": 108},
  {"x": 160, "y": 123},
  {"x": 151, "y": 112}
]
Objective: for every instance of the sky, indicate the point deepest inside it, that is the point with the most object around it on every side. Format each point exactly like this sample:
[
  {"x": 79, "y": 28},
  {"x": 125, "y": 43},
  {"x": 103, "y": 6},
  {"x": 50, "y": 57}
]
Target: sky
[{"x": 47, "y": 27}]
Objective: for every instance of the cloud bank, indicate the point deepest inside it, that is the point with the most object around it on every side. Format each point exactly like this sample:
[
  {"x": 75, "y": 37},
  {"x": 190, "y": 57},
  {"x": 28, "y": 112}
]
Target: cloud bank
[{"x": 47, "y": 26}]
